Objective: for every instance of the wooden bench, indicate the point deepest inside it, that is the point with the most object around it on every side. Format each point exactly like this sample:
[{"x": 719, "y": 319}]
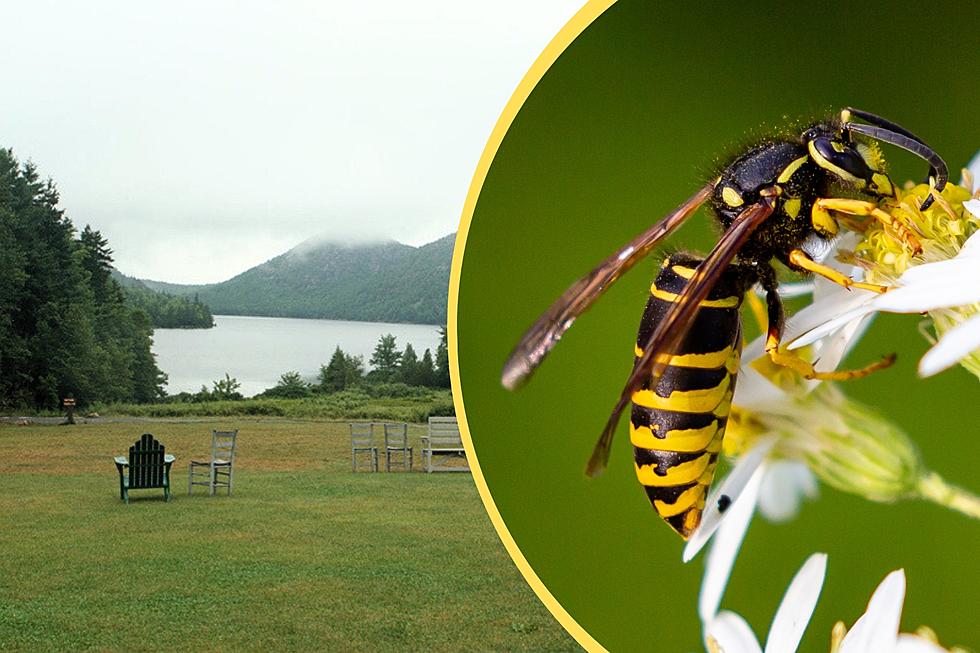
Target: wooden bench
[
  {"x": 443, "y": 442},
  {"x": 148, "y": 468}
]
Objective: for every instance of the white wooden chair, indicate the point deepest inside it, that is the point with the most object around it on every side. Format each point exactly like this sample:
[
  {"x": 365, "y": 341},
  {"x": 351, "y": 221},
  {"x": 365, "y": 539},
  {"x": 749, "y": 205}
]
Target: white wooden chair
[
  {"x": 362, "y": 441},
  {"x": 219, "y": 471},
  {"x": 396, "y": 441}
]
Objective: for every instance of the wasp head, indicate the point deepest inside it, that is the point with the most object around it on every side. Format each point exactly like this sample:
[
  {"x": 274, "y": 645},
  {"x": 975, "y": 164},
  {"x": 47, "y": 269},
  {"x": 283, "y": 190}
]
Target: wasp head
[
  {"x": 885, "y": 131},
  {"x": 855, "y": 164}
]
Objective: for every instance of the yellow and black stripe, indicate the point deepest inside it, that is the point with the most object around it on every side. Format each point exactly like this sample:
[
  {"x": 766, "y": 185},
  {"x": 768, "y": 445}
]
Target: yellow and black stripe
[{"x": 677, "y": 427}]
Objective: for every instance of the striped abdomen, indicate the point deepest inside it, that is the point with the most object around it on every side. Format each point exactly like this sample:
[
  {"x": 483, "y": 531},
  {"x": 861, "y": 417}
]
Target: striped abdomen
[{"x": 677, "y": 428}]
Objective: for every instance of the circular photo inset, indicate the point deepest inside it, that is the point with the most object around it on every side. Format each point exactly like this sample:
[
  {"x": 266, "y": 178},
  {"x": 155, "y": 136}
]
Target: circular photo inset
[{"x": 750, "y": 416}]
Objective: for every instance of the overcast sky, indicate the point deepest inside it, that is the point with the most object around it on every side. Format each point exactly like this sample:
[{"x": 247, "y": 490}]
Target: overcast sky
[{"x": 203, "y": 138}]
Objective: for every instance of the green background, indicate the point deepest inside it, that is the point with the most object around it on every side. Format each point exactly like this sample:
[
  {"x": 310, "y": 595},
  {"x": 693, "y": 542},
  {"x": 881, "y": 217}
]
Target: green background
[{"x": 624, "y": 126}]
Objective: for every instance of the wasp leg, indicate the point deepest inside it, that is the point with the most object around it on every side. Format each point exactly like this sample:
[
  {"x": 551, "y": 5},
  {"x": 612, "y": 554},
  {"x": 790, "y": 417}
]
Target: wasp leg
[
  {"x": 822, "y": 207},
  {"x": 800, "y": 259},
  {"x": 758, "y": 309},
  {"x": 793, "y": 361}
]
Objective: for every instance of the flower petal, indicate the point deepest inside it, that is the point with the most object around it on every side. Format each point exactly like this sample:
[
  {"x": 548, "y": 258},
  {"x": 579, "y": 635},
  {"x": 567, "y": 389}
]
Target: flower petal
[
  {"x": 971, "y": 248},
  {"x": 974, "y": 167},
  {"x": 755, "y": 392},
  {"x": 724, "y": 549},
  {"x": 957, "y": 343},
  {"x": 733, "y": 634},
  {"x": 926, "y": 296},
  {"x": 783, "y": 488},
  {"x": 832, "y": 324},
  {"x": 796, "y": 608},
  {"x": 827, "y": 307},
  {"x": 829, "y": 351},
  {"x": 877, "y": 629},
  {"x": 914, "y": 644},
  {"x": 973, "y": 206},
  {"x": 954, "y": 270},
  {"x": 732, "y": 487}
]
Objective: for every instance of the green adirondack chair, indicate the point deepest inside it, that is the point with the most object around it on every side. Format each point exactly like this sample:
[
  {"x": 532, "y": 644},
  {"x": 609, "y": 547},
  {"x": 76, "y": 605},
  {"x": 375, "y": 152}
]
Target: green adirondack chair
[{"x": 148, "y": 467}]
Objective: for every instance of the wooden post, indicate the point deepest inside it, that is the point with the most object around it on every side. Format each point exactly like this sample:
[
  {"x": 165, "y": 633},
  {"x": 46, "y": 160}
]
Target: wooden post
[{"x": 69, "y": 404}]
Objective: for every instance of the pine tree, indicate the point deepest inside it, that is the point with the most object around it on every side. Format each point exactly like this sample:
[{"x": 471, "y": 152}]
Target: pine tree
[
  {"x": 354, "y": 370},
  {"x": 97, "y": 261},
  {"x": 290, "y": 386},
  {"x": 408, "y": 371},
  {"x": 385, "y": 359},
  {"x": 343, "y": 371},
  {"x": 442, "y": 360},
  {"x": 333, "y": 375},
  {"x": 427, "y": 370}
]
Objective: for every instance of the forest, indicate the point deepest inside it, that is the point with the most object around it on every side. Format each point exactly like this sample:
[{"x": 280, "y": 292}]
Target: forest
[
  {"x": 66, "y": 327},
  {"x": 166, "y": 311}
]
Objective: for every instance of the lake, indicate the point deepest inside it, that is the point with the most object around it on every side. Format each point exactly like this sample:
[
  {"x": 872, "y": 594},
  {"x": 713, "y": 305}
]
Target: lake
[{"x": 257, "y": 350}]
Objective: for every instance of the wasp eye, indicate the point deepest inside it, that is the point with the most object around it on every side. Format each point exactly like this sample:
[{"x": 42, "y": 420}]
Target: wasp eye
[{"x": 840, "y": 158}]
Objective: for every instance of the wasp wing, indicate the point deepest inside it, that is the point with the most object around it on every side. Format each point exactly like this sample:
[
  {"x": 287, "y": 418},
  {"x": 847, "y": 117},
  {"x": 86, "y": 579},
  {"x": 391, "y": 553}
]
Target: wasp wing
[
  {"x": 549, "y": 328},
  {"x": 672, "y": 329}
]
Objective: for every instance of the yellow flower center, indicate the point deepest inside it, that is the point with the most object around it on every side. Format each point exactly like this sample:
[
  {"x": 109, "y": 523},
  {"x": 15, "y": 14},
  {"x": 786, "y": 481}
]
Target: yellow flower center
[{"x": 942, "y": 228}]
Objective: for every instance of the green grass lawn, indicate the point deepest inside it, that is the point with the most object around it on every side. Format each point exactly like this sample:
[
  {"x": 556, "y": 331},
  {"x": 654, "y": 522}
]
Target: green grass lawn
[{"x": 304, "y": 556}]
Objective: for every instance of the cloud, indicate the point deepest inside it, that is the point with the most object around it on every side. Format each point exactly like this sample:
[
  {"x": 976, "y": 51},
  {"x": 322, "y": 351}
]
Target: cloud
[{"x": 199, "y": 137}]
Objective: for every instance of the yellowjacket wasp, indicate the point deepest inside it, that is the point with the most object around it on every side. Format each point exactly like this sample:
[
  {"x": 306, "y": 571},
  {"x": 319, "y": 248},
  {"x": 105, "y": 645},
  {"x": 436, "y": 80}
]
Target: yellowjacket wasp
[{"x": 770, "y": 200}]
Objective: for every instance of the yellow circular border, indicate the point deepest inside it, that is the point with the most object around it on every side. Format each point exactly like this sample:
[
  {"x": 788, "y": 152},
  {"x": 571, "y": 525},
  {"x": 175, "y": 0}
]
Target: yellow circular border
[{"x": 582, "y": 19}]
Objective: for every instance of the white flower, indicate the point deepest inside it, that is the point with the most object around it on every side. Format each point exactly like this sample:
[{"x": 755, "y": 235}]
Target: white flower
[
  {"x": 727, "y": 632},
  {"x": 785, "y": 484},
  {"x": 791, "y": 433},
  {"x": 876, "y": 631},
  {"x": 820, "y": 434},
  {"x": 944, "y": 281},
  {"x": 800, "y": 427},
  {"x": 932, "y": 287},
  {"x": 775, "y": 487}
]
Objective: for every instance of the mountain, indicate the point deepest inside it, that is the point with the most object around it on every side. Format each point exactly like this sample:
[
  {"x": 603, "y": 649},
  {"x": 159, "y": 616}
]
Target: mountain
[{"x": 378, "y": 282}]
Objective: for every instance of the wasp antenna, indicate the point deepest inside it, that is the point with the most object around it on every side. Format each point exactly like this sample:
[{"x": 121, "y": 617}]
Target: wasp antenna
[
  {"x": 877, "y": 121},
  {"x": 938, "y": 169}
]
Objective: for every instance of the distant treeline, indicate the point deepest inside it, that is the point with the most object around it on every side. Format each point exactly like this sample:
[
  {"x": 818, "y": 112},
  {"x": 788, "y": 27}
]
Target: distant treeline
[
  {"x": 395, "y": 374},
  {"x": 66, "y": 328},
  {"x": 164, "y": 310}
]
